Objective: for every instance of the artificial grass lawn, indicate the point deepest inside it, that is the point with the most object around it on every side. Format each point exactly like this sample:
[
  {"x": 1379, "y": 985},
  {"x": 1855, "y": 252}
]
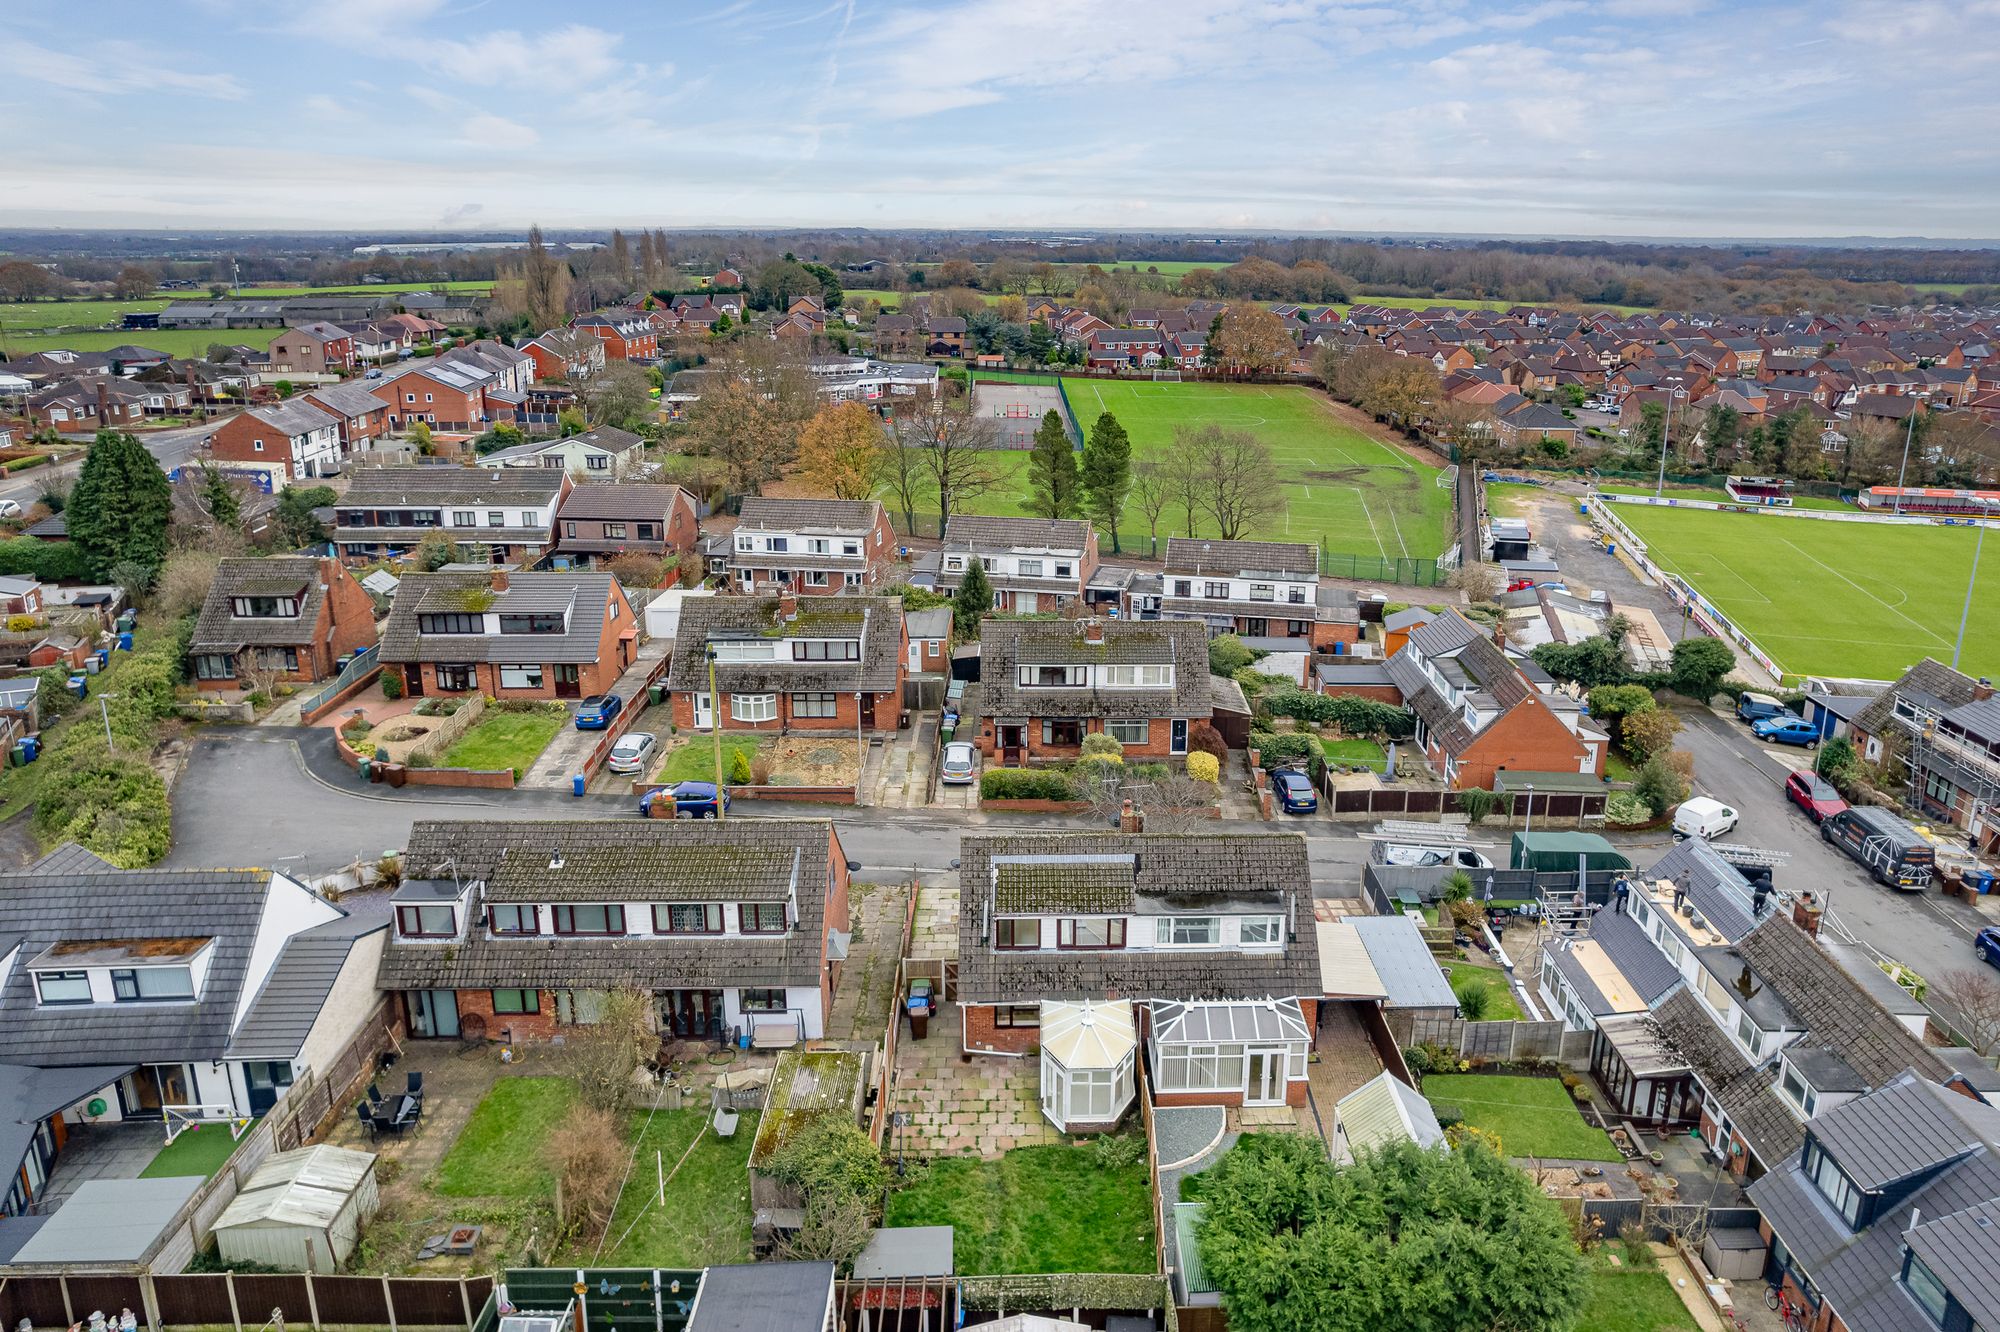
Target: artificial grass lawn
[
  {"x": 503, "y": 1149},
  {"x": 1702, "y": 493},
  {"x": 707, "y": 1215},
  {"x": 1630, "y": 1299},
  {"x": 1036, "y": 1209},
  {"x": 695, "y": 760},
  {"x": 196, "y": 1151},
  {"x": 1352, "y": 751},
  {"x": 1500, "y": 1004},
  {"x": 504, "y": 740},
  {"x": 1532, "y": 1116},
  {"x": 1860, "y": 600}
]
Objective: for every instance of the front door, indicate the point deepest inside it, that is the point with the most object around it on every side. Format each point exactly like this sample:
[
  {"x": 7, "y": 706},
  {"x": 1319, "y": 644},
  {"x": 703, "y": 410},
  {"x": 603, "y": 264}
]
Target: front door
[
  {"x": 1012, "y": 738},
  {"x": 413, "y": 681},
  {"x": 569, "y": 682},
  {"x": 692, "y": 1014},
  {"x": 434, "y": 1014},
  {"x": 1180, "y": 735},
  {"x": 1266, "y": 1084},
  {"x": 266, "y": 1080},
  {"x": 704, "y": 712},
  {"x": 916, "y": 656}
]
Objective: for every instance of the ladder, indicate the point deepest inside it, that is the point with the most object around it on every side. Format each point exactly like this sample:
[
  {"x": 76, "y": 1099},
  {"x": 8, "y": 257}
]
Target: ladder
[{"x": 1740, "y": 856}]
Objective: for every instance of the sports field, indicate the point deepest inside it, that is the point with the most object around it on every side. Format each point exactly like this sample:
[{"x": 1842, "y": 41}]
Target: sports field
[
  {"x": 1862, "y": 600},
  {"x": 1342, "y": 489}
]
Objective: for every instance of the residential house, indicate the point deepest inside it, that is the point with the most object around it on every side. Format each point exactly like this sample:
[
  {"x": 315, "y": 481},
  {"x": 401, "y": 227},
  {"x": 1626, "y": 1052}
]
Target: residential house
[
  {"x": 1045, "y": 684},
  {"x": 1034, "y": 564},
  {"x": 606, "y": 454},
  {"x": 928, "y": 635},
  {"x": 127, "y": 993},
  {"x": 1201, "y": 946},
  {"x": 509, "y": 635},
  {"x": 1947, "y": 725},
  {"x": 361, "y": 416},
  {"x": 781, "y": 664},
  {"x": 895, "y": 334},
  {"x": 600, "y": 522},
  {"x": 298, "y": 438},
  {"x": 375, "y": 343},
  {"x": 1124, "y": 348},
  {"x": 1529, "y": 423},
  {"x": 627, "y": 335},
  {"x": 944, "y": 335},
  {"x": 20, "y": 595},
  {"x": 1479, "y": 712},
  {"x": 814, "y": 546},
  {"x": 317, "y": 348},
  {"x": 509, "y": 511},
  {"x": 1257, "y": 589},
  {"x": 288, "y": 618},
  {"x": 515, "y": 931},
  {"x": 566, "y": 353},
  {"x": 442, "y": 396}
]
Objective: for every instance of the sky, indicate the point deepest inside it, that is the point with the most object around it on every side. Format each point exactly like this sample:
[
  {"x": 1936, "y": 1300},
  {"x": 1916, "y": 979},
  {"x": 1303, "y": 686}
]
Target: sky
[{"x": 1697, "y": 118}]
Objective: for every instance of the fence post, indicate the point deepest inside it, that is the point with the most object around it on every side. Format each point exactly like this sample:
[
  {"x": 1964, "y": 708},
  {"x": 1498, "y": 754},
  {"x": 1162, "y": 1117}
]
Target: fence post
[
  {"x": 149, "y": 1296},
  {"x": 465, "y": 1300},
  {"x": 235, "y": 1313},
  {"x": 389, "y": 1303},
  {"x": 69, "y": 1312},
  {"x": 312, "y": 1296}
]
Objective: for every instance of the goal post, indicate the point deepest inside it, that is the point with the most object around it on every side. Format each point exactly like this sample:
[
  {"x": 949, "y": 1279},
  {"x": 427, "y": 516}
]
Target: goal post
[
  {"x": 180, "y": 1118},
  {"x": 1166, "y": 376}
]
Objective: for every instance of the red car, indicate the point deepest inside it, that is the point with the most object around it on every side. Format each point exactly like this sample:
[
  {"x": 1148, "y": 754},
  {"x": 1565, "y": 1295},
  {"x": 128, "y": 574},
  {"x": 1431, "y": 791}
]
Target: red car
[{"x": 1812, "y": 794}]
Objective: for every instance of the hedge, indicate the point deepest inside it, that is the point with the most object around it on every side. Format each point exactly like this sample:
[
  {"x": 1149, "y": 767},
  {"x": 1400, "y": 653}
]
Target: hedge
[
  {"x": 111, "y": 802},
  {"x": 48, "y": 561},
  {"x": 1025, "y": 784},
  {"x": 1355, "y": 716}
]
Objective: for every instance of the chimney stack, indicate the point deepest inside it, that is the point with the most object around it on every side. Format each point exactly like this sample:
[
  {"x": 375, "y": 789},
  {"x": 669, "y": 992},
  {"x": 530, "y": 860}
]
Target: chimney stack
[
  {"x": 1131, "y": 820},
  {"x": 1093, "y": 631},
  {"x": 103, "y": 402},
  {"x": 1806, "y": 913},
  {"x": 499, "y": 580},
  {"x": 788, "y": 605},
  {"x": 1500, "y": 633},
  {"x": 1982, "y": 689}
]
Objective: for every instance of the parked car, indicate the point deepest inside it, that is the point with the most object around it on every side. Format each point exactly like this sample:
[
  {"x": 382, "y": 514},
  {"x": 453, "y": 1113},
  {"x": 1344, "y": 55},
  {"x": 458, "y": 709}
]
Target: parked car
[
  {"x": 373, "y": 374},
  {"x": 1701, "y": 817},
  {"x": 632, "y": 751},
  {"x": 1986, "y": 944},
  {"x": 1294, "y": 791},
  {"x": 1885, "y": 845},
  {"x": 10, "y": 508},
  {"x": 1815, "y": 795},
  {"x": 597, "y": 712},
  {"x": 1786, "y": 730},
  {"x": 961, "y": 764},
  {"x": 694, "y": 799},
  {"x": 1753, "y": 707}
]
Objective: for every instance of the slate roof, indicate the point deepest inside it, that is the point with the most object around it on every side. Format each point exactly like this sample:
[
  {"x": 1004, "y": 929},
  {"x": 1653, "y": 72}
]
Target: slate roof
[
  {"x": 1930, "y": 680},
  {"x": 282, "y": 1013},
  {"x": 297, "y": 417},
  {"x": 610, "y": 439},
  {"x": 1744, "y": 1092},
  {"x": 1195, "y": 871},
  {"x": 851, "y": 517},
  {"x": 1195, "y": 555},
  {"x": 584, "y": 596},
  {"x": 740, "y": 860},
  {"x": 431, "y": 485},
  {"x": 876, "y": 621},
  {"x": 1007, "y": 644},
  {"x": 348, "y": 399},
  {"x": 976, "y": 533},
  {"x": 218, "y": 630}
]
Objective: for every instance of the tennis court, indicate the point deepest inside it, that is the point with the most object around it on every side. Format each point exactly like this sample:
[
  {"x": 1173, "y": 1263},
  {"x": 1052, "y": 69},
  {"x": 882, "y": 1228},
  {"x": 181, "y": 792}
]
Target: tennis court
[{"x": 1016, "y": 410}]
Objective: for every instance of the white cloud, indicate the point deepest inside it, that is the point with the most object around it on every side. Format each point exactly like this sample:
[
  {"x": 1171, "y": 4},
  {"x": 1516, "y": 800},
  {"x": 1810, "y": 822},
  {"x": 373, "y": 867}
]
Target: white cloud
[
  {"x": 559, "y": 58},
  {"x": 113, "y": 67}
]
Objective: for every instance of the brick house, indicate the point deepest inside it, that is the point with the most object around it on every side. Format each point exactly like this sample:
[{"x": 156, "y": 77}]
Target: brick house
[
  {"x": 362, "y": 417},
  {"x": 1045, "y": 684},
  {"x": 597, "y": 523},
  {"x": 1196, "y": 943},
  {"x": 298, "y": 436},
  {"x": 565, "y": 353},
  {"x": 627, "y": 335},
  {"x": 1034, "y": 564},
  {"x": 1257, "y": 589},
  {"x": 928, "y": 635},
  {"x": 1479, "y": 712},
  {"x": 444, "y": 397},
  {"x": 292, "y": 615},
  {"x": 1948, "y": 725},
  {"x": 895, "y": 334},
  {"x": 317, "y": 348},
  {"x": 520, "y": 635},
  {"x": 606, "y": 454},
  {"x": 810, "y": 545},
  {"x": 786, "y": 664},
  {"x": 1530, "y": 423},
  {"x": 514, "y": 931},
  {"x": 508, "y": 512},
  {"x": 945, "y": 336}
]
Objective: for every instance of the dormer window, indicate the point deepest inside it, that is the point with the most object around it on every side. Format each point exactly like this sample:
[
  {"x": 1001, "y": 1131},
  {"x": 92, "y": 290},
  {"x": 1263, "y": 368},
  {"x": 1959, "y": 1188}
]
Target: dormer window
[
  {"x": 826, "y": 649},
  {"x": 63, "y": 987},
  {"x": 1012, "y": 932},
  {"x": 512, "y": 919},
  {"x": 1215, "y": 591},
  {"x": 1260, "y": 930},
  {"x": 687, "y": 918},
  {"x": 954, "y": 562},
  {"x": 1925, "y": 1288},
  {"x": 1297, "y": 595},
  {"x": 596, "y": 919},
  {"x": 427, "y": 922},
  {"x": 452, "y": 623},
  {"x": 264, "y": 608},
  {"x": 1833, "y": 1184},
  {"x": 1029, "y": 568},
  {"x": 1091, "y": 932},
  {"x": 531, "y": 624},
  {"x": 746, "y": 543},
  {"x": 760, "y": 917},
  {"x": 1187, "y": 931}
]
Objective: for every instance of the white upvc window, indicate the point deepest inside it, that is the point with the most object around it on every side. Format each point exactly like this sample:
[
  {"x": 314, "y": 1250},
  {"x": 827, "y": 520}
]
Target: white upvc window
[
  {"x": 753, "y": 707},
  {"x": 1260, "y": 930},
  {"x": 1187, "y": 931},
  {"x": 1133, "y": 677}
]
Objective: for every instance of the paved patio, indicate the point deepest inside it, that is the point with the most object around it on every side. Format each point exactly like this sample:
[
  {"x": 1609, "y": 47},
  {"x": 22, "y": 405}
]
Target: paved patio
[
  {"x": 936, "y": 930},
  {"x": 106, "y": 1152},
  {"x": 862, "y": 1004},
  {"x": 987, "y": 1106},
  {"x": 457, "y": 1076}
]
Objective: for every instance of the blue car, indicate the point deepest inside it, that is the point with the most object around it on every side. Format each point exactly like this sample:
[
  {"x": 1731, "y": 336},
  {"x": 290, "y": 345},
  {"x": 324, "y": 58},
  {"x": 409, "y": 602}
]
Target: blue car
[
  {"x": 694, "y": 799},
  {"x": 1294, "y": 791},
  {"x": 1987, "y": 945},
  {"x": 1786, "y": 730},
  {"x": 596, "y": 712}
]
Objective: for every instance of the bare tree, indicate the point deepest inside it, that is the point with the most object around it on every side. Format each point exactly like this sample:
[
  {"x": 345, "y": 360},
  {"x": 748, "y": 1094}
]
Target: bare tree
[
  {"x": 958, "y": 450},
  {"x": 1233, "y": 472},
  {"x": 751, "y": 411},
  {"x": 1181, "y": 469},
  {"x": 602, "y": 1056},
  {"x": 1152, "y": 491},
  {"x": 1973, "y": 996},
  {"x": 1479, "y": 582}
]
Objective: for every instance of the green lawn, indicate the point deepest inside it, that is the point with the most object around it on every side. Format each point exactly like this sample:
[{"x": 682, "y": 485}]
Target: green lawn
[
  {"x": 1618, "y": 767},
  {"x": 196, "y": 1151},
  {"x": 505, "y": 740},
  {"x": 1036, "y": 1209},
  {"x": 1628, "y": 1299},
  {"x": 695, "y": 760},
  {"x": 1722, "y": 497},
  {"x": 1352, "y": 751},
  {"x": 1500, "y": 1005},
  {"x": 18, "y": 315},
  {"x": 1844, "y": 599},
  {"x": 501, "y": 1152},
  {"x": 707, "y": 1216},
  {"x": 173, "y": 341},
  {"x": 480, "y": 286},
  {"x": 1532, "y": 1116}
]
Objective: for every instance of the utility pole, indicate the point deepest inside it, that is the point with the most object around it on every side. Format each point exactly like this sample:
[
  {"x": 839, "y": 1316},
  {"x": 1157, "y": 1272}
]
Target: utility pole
[
  {"x": 715, "y": 731},
  {"x": 1666, "y": 433}
]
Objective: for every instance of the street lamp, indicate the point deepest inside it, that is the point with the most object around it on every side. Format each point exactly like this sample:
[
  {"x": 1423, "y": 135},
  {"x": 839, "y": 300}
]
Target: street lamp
[
  {"x": 1666, "y": 432},
  {"x": 1985, "y": 517},
  {"x": 1909, "y": 431},
  {"x": 1528, "y": 821}
]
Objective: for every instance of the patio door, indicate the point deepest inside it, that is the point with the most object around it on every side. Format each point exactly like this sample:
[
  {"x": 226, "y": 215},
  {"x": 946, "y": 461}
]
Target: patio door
[
  {"x": 266, "y": 1080},
  {"x": 145, "y": 1091},
  {"x": 692, "y": 1014},
  {"x": 1266, "y": 1084},
  {"x": 434, "y": 1014}
]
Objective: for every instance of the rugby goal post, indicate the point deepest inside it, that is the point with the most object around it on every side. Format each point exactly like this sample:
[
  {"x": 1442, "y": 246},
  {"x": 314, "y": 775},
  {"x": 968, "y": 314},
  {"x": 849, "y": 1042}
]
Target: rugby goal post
[
  {"x": 1166, "y": 376},
  {"x": 180, "y": 1118}
]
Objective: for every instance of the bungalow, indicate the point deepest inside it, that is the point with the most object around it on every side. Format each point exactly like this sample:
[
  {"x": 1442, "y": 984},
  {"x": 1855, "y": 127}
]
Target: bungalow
[
  {"x": 513, "y": 931},
  {"x": 1532, "y": 422},
  {"x": 1045, "y": 684},
  {"x": 598, "y": 523},
  {"x": 817, "y": 546},
  {"x": 783, "y": 665},
  {"x": 299, "y": 438},
  {"x": 519, "y": 635},
  {"x": 293, "y": 618},
  {"x": 1034, "y": 564}
]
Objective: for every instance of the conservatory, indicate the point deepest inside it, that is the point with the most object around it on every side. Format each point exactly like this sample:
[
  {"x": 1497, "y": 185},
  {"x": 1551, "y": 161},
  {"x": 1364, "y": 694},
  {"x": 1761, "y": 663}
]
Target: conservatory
[
  {"x": 1088, "y": 1050},
  {"x": 1231, "y": 1052}
]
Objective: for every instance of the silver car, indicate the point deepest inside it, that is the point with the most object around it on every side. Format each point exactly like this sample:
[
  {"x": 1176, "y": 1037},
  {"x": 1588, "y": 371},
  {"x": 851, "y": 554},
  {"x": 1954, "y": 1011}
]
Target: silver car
[
  {"x": 961, "y": 764},
  {"x": 631, "y": 752}
]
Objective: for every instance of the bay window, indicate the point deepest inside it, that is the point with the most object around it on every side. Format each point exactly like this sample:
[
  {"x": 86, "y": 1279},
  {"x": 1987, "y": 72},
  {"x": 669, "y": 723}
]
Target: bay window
[
  {"x": 753, "y": 707},
  {"x": 594, "y": 919},
  {"x": 687, "y": 918}
]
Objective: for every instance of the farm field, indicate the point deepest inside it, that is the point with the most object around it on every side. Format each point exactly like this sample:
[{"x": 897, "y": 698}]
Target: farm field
[
  {"x": 16, "y": 316},
  {"x": 481, "y": 286},
  {"x": 1859, "y": 600},
  {"x": 173, "y": 341},
  {"x": 1343, "y": 490}
]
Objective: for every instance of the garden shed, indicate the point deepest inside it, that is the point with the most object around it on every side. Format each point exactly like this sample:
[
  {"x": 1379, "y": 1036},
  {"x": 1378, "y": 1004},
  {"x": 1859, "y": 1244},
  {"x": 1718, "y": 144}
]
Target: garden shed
[
  {"x": 301, "y": 1212},
  {"x": 1088, "y": 1050},
  {"x": 806, "y": 1085}
]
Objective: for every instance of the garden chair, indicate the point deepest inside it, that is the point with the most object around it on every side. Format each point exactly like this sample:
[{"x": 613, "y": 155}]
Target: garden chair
[
  {"x": 367, "y": 1117},
  {"x": 413, "y": 1085}
]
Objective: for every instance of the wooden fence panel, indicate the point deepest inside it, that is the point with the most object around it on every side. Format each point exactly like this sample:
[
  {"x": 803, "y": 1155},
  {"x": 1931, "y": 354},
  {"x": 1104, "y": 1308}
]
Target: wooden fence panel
[
  {"x": 106, "y": 1293},
  {"x": 258, "y": 1296},
  {"x": 351, "y": 1299},
  {"x": 36, "y": 1298},
  {"x": 193, "y": 1298},
  {"x": 1201, "y": 1318},
  {"x": 424, "y": 1303}
]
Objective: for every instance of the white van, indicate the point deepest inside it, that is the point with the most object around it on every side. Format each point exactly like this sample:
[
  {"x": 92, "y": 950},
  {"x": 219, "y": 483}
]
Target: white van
[{"x": 1699, "y": 816}]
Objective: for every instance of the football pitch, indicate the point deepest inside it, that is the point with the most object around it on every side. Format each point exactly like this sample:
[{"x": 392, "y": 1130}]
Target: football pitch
[
  {"x": 1859, "y": 600},
  {"x": 1343, "y": 491}
]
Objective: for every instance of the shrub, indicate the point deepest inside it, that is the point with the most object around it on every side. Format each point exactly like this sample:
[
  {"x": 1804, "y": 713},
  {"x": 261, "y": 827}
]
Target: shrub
[
  {"x": 1099, "y": 745},
  {"x": 1227, "y": 655},
  {"x": 830, "y": 1158},
  {"x": 1417, "y": 1060},
  {"x": 1025, "y": 784},
  {"x": 1457, "y": 886},
  {"x": 392, "y": 684},
  {"x": 1650, "y": 732},
  {"x": 1203, "y": 767},
  {"x": 590, "y": 1159},
  {"x": 1474, "y": 1003},
  {"x": 1278, "y": 751},
  {"x": 1626, "y": 809},
  {"x": 20, "y": 624},
  {"x": 1476, "y": 802},
  {"x": 1659, "y": 785},
  {"x": 1205, "y": 739},
  {"x": 739, "y": 768}
]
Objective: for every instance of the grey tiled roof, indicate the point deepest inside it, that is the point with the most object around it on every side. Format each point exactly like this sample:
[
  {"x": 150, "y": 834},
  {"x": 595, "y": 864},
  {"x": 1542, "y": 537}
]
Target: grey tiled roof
[
  {"x": 741, "y": 856},
  {"x": 281, "y": 575},
  {"x": 1908, "y": 1126},
  {"x": 1716, "y": 888},
  {"x": 1928, "y": 678},
  {"x": 282, "y": 1013},
  {"x": 1202, "y": 556},
  {"x": 1963, "y": 1250},
  {"x": 977, "y": 533},
  {"x": 346, "y": 399},
  {"x": 584, "y": 595},
  {"x": 808, "y": 515},
  {"x": 1445, "y": 723},
  {"x": 1203, "y": 869},
  {"x": 620, "y": 502},
  {"x": 877, "y": 621},
  {"x": 1638, "y": 959},
  {"x": 421, "y": 486},
  {"x": 297, "y": 417},
  {"x": 1007, "y": 644},
  {"x": 1744, "y": 1092}
]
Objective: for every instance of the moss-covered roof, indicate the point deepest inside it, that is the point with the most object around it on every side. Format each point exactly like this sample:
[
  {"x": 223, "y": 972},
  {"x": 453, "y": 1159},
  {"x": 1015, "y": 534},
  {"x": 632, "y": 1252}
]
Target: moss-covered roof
[{"x": 806, "y": 1085}]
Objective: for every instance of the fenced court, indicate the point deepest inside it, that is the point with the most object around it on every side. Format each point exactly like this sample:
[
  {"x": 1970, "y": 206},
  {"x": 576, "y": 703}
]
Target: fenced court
[{"x": 1016, "y": 410}]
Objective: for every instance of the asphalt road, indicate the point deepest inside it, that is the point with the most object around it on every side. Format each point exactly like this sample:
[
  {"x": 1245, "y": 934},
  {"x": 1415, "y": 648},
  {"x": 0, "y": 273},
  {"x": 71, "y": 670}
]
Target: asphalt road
[{"x": 171, "y": 448}]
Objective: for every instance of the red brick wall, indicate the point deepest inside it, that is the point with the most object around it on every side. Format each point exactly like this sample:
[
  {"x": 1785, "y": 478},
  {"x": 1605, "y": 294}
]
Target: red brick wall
[
  {"x": 1379, "y": 693},
  {"x": 1326, "y": 633},
  {"x": 352, "y": 611},
  {"x": 683, "y": 528},
  {"x": 235, "y": 440},
  {"x": 981, "y": 1034},
  {"x": 1159, "y": 740},
  {"x": 1529, "y": 738},
  {"x": 526, "y": 1026},
  {"x": 888, "y": 713}
]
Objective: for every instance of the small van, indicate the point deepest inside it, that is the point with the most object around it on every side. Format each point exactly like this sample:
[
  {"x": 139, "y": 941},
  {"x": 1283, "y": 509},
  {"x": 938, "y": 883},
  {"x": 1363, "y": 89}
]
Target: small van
[
  {"x": 1885, "y": 846},
  {"x": 1701, "y": 817},
  {"x": 1752, "y": 706}
]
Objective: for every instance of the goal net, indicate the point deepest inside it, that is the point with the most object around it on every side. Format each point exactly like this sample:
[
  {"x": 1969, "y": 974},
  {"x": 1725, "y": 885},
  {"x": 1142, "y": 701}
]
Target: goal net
[
  {"x": 181, "y": 1118},
  {"x": 1166, "y": 376}
]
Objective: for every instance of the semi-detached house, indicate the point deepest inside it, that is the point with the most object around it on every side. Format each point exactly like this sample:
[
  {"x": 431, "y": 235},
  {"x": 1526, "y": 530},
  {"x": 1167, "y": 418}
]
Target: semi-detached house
[
  {"x": 1256, "y": 589},
  {"x": 517, "y": 930},
  {"x": 298, "y": 437},
  {"x": 291, "y": 617},
  {"x": 786, "y": 664},
  {"x": 1046, "y": 684},
  {"x": 1034, "y": 564},
  {"x": 810, "y": 545},
  {"x": 519, "y": 635},
  {"x": 509, "y": 512}
]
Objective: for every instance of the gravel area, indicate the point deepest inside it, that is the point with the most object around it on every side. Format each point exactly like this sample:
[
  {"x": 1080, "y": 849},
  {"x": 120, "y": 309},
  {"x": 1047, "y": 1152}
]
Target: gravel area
[{"x": 1179, "y": 1132}]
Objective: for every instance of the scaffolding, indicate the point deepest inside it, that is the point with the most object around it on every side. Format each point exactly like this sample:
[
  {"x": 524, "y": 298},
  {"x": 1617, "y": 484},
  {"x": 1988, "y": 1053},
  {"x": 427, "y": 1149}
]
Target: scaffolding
[{"x": 1964, "y": 762}]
